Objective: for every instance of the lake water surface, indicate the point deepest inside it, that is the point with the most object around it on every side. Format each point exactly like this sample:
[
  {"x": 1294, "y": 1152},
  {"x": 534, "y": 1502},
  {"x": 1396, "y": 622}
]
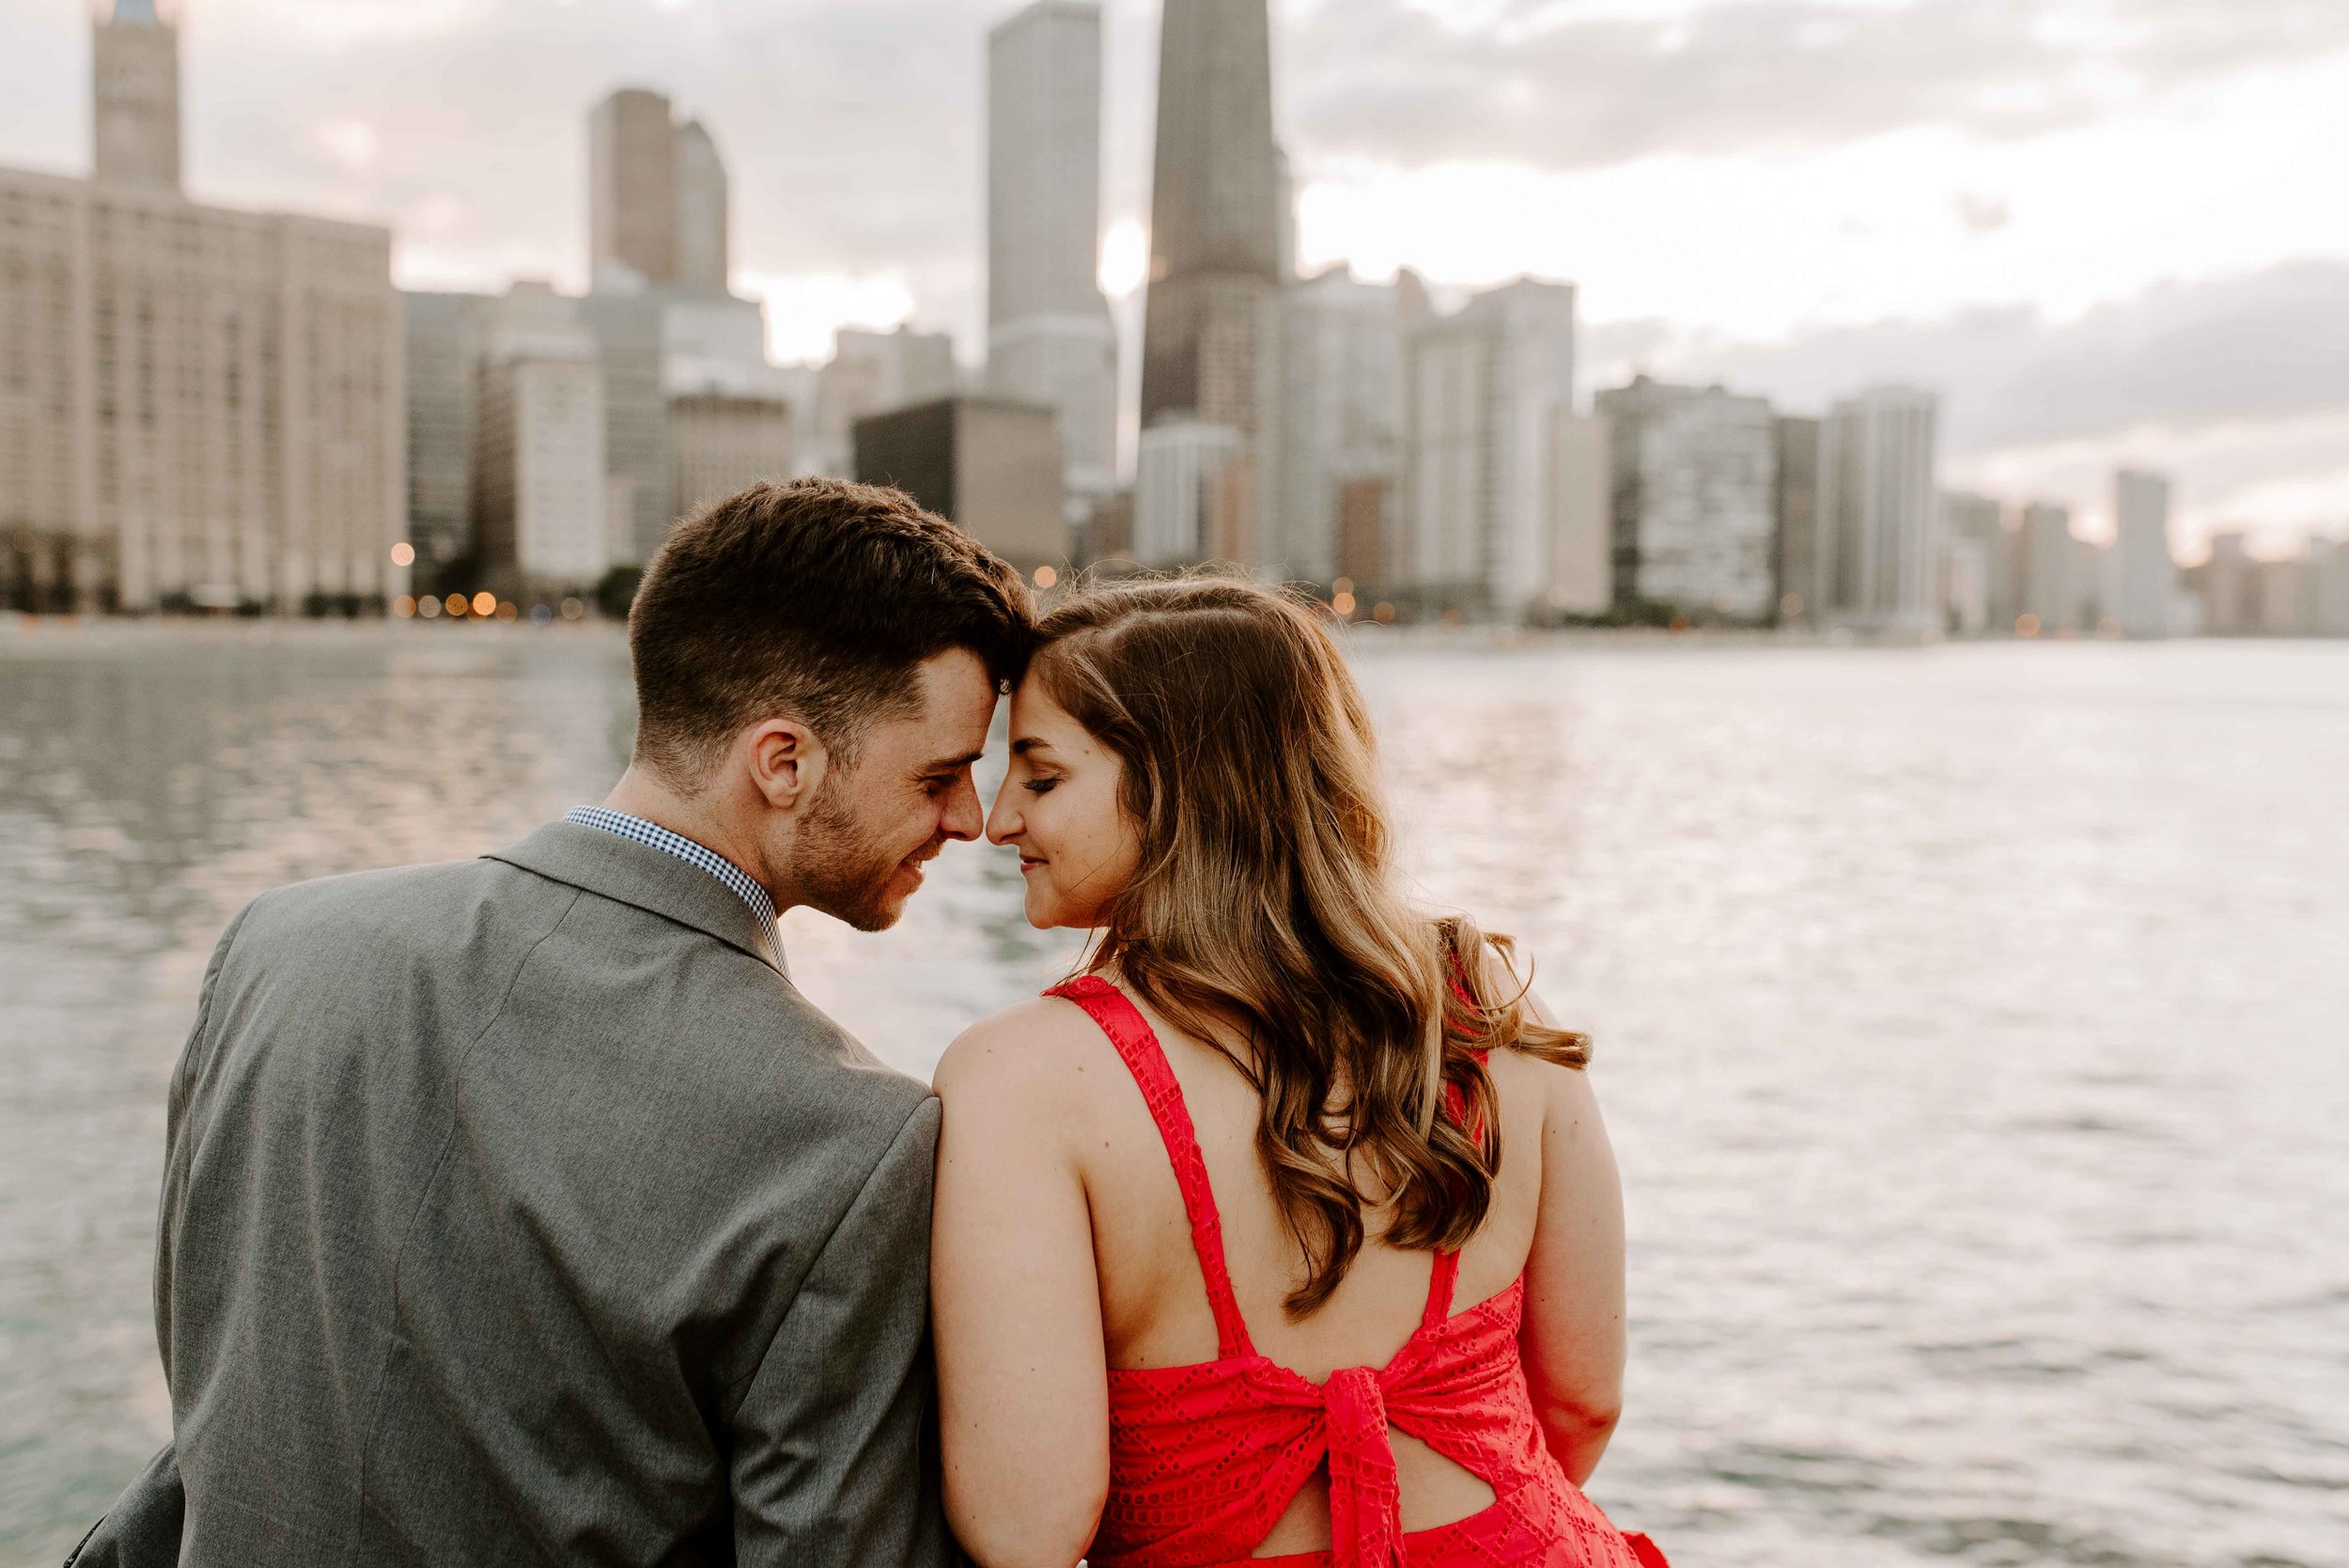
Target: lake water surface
[{"x": 1972, "y": 1023}]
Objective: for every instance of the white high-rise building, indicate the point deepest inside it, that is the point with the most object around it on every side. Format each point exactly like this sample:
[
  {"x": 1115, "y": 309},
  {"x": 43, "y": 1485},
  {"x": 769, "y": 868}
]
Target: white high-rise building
[
  {"x": 546, "y": 519},
  {"x": 1049, "y": 337},
  {"x": 1976, "y": 545},
  {"x": 2047, "y": 588},
  {"x": 1179, "y": 471},
  {"x": 2231, "y": 587},
  {"x": 2330, "y": 561},
  {"x": 1581, "y": 576},
  {"x": 199, "y": 407},
  {"x": 2287, "y": 596},
  {"x": 2149, "y": 573},
  {"x": 1329, "y": 412},
  {"x": 1694, "y": 475},
  {"x": 1880, "y": 536},
  {"x": 1968, "y": 567},
  {"x": 2096, "y": 578},
  {"x": 1483, "y": 390}
]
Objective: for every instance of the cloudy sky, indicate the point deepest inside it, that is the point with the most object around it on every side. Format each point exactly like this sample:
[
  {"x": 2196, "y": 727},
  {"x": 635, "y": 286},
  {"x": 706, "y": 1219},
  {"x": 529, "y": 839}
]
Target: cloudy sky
[{"x": 2107, "y": 230}]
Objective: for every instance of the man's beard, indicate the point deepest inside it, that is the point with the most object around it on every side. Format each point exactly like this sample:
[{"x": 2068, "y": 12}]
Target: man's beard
[{"x": 841, "y": 871}]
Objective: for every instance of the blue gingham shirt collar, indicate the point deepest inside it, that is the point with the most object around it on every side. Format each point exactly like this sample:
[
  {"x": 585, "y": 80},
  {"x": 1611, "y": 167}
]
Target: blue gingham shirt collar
[{"x": 653, "y": 835}]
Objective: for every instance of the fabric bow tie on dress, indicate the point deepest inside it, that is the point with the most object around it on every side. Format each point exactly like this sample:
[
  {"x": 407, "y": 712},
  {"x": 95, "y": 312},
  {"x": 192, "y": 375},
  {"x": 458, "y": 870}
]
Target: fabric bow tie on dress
[{"x": 1365, "y": 1497}]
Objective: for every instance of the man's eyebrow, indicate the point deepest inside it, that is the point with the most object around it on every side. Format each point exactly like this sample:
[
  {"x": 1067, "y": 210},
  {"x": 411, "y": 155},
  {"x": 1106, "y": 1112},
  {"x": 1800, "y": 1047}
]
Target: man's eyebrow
[{"x": 949, "y": 765}]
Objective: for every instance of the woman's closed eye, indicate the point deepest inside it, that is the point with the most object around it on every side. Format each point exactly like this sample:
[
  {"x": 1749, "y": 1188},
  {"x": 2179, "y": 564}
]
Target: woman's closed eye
[{"x": 1039, "y": 786}]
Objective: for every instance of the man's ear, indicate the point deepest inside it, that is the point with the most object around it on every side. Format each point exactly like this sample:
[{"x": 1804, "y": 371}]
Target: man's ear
[{"x": 786, "y": 762}]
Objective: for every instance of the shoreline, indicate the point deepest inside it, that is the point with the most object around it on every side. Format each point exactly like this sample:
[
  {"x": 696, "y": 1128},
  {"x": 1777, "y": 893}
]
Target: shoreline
[{"x": 26, "y": 633}]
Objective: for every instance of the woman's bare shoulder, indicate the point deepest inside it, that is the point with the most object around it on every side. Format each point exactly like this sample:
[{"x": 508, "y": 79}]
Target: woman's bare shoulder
[
  {"x": 1556, "y": 1088},
  {"x": 1037, "y": 1053}
]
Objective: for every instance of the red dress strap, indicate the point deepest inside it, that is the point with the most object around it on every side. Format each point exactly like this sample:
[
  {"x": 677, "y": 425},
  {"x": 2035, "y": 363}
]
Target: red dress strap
[
  {"x": 1447, "y": 1270},
  {"x": 1137, "y": 1046}
]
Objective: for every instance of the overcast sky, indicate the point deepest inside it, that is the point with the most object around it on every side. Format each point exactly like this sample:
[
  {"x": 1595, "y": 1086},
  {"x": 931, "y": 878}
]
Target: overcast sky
[{"x": 2107, "y": 230}]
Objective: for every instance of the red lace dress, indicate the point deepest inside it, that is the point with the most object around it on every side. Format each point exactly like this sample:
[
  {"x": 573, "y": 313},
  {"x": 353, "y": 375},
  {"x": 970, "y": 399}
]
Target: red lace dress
[{"x": 1204, "y": 1460}]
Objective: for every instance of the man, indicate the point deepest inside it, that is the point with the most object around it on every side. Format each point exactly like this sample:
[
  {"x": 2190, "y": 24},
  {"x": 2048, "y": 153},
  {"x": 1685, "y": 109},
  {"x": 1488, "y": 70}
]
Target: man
[{"x": 520, "y": 1210}]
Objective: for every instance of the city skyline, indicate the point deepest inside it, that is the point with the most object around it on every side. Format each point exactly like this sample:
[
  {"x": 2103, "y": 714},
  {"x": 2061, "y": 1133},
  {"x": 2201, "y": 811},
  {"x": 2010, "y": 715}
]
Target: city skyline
[{"x": 2093, "y": 278}]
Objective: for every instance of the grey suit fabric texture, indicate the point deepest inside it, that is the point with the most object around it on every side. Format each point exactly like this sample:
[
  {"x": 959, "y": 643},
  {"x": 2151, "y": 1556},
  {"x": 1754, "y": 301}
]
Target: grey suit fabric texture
[{"x": 523, "y": 1211}]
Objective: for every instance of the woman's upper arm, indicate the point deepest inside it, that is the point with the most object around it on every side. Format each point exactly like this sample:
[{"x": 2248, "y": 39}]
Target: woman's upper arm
[
  {"x": 1023, "y": 1387},
  {"x": 1573, "y": 1336}
]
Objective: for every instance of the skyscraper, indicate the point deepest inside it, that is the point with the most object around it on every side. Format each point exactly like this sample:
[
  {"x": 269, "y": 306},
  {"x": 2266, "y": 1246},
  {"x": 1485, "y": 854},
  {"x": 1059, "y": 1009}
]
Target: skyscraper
[
  {"x": 1328, "y": 411},
  {"x": 2149, "y": 574},
  {"x": 1215, "y": 212},
  {"x": 134, "y": 82},
  {"x": 1581, "y": 576},
  {"x": 1049, "y": 338},
  {"x": 704, "y": 226},
  {"x": 447, "y": 335},
  {"x": 2231, "y": 587},
  {"x": 1483, "y": 390},
  {"x": 1801, "y": 595},
  {"x": 1694, "y": 472},
  {"x": 2048, "y": 587},
  {"x": 633, "y": 199},
  {"x": 547, "y": 523},
  {"x": 201, "y": 407},
  {"x": 2330, "y": 561},
  {"x": 1880, "y": 552},
  {"x": 1979, "y": 555},
  {"x": 657, "y": 197},
  {"x": 1180, "y": 487}
]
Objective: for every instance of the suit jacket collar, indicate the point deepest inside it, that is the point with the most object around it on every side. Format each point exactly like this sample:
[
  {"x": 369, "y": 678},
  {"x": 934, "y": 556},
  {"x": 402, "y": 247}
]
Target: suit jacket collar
[{"x": 650, "y": 879}]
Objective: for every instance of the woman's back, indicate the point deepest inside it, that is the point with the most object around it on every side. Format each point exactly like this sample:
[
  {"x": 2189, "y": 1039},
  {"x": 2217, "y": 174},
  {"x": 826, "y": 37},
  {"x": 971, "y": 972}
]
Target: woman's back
[
  {"x": 1211, "y": 1420},
  {"x": 1154, "y": 1298}
]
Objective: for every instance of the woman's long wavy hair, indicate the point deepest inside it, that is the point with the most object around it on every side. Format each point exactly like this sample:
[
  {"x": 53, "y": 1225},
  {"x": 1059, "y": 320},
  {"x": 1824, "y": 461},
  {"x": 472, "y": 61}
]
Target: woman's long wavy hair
[{"x": 1263, "y": 917}]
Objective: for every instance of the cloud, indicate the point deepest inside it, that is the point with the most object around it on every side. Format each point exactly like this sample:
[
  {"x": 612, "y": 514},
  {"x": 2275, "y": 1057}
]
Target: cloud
[
  {"x": 2238, "y": 386},
  {"x": 2269, "y": 343},
  {"x": 1414, "y": 81}
]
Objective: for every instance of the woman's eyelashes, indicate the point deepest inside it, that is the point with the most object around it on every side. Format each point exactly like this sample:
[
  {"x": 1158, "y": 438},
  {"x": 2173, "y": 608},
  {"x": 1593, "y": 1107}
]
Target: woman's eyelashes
[{"x": 1040, "y": 786}]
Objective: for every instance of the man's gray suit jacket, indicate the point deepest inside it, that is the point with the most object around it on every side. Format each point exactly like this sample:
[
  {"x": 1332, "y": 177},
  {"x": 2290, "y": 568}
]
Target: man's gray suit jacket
[{"x": 521, "y": 1211}]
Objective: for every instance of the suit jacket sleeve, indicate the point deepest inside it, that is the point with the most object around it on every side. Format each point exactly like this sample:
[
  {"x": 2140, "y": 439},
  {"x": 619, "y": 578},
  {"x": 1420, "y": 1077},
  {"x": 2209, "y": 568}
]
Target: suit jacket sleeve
[
  {"x": 834, "y": 1460},
  {"x": 142, "y": 1528}
]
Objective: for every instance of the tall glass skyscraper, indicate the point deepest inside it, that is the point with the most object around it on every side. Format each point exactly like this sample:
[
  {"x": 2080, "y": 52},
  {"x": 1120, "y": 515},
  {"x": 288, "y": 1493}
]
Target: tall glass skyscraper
[
  {"x": 1215, "y": 212},
  {"x": 1049, "y": 338}
]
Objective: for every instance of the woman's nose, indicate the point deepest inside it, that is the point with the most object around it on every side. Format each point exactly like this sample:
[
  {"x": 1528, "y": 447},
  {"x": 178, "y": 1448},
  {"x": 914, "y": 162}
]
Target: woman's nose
[{"x": 1002, "y": 822}]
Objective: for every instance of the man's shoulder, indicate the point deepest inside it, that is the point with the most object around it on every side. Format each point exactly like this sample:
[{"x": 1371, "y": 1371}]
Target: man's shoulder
[
  {"x": 433, "y": 903},
  {"x": 604, "y": 976},
  {"x": 389, "y": 890}
]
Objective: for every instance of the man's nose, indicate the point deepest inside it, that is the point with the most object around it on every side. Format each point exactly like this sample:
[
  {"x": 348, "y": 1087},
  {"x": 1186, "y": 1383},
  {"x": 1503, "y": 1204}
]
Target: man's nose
[{"x": 963, "y": 819}]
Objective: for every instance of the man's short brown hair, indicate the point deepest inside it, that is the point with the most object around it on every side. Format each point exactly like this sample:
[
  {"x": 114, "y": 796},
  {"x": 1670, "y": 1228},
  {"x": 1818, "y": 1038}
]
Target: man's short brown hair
[{"x": 813, "y": 600}]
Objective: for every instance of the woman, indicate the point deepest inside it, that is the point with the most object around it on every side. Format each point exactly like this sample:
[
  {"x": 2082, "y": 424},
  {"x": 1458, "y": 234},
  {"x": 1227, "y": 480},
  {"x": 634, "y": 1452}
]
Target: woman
[{"x": 1343, "y": 1282}]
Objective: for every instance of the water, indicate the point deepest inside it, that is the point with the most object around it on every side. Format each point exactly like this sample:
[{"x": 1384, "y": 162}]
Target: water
[{"x": 1971, "y": 1026}]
